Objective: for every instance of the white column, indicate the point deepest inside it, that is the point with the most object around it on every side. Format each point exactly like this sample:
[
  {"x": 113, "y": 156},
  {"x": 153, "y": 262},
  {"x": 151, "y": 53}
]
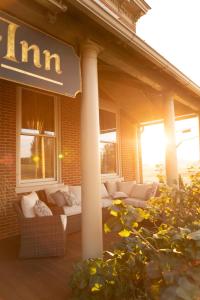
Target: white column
[
  {"x": 171, "y": 156},
  {"x": 92, "y": 241}
]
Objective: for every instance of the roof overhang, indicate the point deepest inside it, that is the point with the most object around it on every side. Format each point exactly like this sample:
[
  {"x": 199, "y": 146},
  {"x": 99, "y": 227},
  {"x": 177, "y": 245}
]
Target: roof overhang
[{"x": 111, "y": 23}]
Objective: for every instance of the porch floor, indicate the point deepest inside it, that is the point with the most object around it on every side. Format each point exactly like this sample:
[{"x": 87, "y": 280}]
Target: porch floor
[{"x": 39, "y": 279}]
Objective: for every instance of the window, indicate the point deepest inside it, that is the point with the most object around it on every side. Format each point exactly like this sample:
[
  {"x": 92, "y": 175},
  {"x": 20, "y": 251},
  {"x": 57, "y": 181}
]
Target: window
[
  {"x": 37, "y": 146},
  {"x": 108, "y": 142}
]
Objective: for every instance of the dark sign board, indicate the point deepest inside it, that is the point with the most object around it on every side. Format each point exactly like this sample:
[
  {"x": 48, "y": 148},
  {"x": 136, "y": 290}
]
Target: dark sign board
[{"x": 33, "y": 58}]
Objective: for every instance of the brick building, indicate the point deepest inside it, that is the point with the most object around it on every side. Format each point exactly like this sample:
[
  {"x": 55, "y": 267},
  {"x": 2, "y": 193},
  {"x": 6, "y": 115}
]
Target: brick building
[{"x": 42, "y": 132}]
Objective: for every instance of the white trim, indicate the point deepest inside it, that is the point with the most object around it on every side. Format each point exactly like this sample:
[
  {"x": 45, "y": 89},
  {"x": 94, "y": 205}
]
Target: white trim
[
  {"x": 111, "y": 177},
  {"x": 26, "y": 188},
  {"x": 29, "y": 185},
  {"x": 111, "y": 107}
]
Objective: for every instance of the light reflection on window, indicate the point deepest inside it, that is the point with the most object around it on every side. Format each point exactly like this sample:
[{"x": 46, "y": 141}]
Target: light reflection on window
[{"x": 108, "y": 140}]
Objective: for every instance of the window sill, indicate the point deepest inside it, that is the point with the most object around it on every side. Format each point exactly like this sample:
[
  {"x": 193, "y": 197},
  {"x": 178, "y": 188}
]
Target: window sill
[
  {"x": 33, "y": 187},
  {"x": 111, "y": 177}
]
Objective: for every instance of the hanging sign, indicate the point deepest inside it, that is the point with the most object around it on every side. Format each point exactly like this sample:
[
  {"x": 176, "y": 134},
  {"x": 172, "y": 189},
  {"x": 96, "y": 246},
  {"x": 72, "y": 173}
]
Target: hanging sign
[{"x": 31, "y": 57}]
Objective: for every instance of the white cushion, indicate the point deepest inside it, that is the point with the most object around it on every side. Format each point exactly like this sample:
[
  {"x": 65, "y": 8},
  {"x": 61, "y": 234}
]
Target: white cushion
[
  {"x": 53, "y": 189},
  {"x": 27, "y": 203},
  {"x": 63, "y": 219},
  {"x": 119, "y": 195},
  {"x": 76, "y": 209},
  {"x": 104, "y": 192},
  {"x": 76, "y": 190},
  {"x": 140, "y": 191},
  {"x": 105, "y": 202},
  {"x": 136, "y": 202},
  {"x": 41, "y": 209},
  {"x": 125, "y": 186},
  {"x": 72, "y": 210}
]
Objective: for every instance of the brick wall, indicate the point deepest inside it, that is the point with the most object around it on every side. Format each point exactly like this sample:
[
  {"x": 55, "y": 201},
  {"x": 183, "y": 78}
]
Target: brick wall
[
  {"x": 70, "y": 137},
  {"x": 8, "y": 224},
  {"x": 127, "y": 149},
  {"x": 70, "y": 148}
]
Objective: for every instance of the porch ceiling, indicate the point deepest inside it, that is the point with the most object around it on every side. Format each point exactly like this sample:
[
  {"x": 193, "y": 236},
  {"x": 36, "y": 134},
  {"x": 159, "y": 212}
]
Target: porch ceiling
[
  {"x": 127, "y": 73},
  {"x": 140, "y": 102}
]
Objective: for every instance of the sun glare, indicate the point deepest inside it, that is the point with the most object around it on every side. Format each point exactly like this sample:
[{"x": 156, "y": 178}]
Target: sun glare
[{"x": 153, "y": 142}]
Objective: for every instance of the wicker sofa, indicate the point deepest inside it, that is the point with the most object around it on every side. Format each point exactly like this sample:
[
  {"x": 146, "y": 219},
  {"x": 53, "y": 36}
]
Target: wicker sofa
[
  {"x": 73, "y": 213},
  {"x": 45, "y": 236},
  {"x": 41, "y": 237},
  {"x": 109, "y": 191}
]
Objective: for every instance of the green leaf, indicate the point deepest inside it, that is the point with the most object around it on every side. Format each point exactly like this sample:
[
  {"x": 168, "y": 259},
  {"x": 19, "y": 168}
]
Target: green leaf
[
  {"x": 93, "y": 270},
  {"x": 114, "y": 213},
  {"x": 97, "y": 287},
  {"x": 117, "y": 202},
  {"x": 106, "y": 228},
  {"x": 124, "y": 233}
]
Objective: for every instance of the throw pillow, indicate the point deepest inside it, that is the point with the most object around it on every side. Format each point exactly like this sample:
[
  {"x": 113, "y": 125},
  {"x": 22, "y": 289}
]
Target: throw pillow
[
  {"x": 69, "y": 198},
  {"x": 119, "y": 195},
  {"x": 151, "y": 192},
  {"x": 76, "y": 190},
  {"x": 28, "y": 203},
  {"x": 53, "y": 189},
  {"x": 111, "y": 187},
  {"x": 104, "y": 192},
  {"x": 125, "y": 186},
  {"x": 58, "y": 198},
  {"x": 41, "y": 209},
  {"x": 140, "y": 191}
]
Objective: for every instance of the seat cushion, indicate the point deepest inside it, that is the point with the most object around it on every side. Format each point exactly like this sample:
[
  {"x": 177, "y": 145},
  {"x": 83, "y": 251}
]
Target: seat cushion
[
  {"x": 125, "y": 186},
  {"x": 136, "y": 202},
  {"x": 119, "y": 195},
  {"x": 72, "y": 210},
  {"x": 27, "y": 204},
  {"x": 106, "y": 202}
]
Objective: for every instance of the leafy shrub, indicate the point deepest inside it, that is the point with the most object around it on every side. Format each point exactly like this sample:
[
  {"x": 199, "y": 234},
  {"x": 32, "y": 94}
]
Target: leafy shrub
[{"x": 158, "y": 256}]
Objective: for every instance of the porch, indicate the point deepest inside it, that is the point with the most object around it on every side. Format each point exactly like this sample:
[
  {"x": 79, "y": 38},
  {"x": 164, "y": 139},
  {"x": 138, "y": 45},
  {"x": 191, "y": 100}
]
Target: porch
[
  {"x": 134, "y": 83},
  {"x": 41, "y": 279}
]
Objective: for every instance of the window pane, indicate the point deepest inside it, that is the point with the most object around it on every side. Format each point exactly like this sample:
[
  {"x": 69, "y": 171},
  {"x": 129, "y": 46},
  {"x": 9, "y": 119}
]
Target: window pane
[
  {"x": 37, "y": 113},
  {"x": 108, "y": 139},
  {"x": 107, "y": 121},
  {"x": 37, "y": 157},
  {"x": 108, "y": 158}
]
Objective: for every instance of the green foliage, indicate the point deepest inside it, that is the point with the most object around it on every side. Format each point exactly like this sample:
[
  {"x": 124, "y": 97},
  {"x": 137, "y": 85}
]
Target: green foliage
[{"x": 158, "y": 255}]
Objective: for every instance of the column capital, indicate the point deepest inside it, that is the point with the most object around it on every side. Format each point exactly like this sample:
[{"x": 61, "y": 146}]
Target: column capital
[{"x": 88, "y": 46}]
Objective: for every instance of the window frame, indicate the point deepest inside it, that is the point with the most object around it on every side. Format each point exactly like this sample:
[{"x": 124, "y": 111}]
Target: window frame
[
  {"x": 20, "y": 183},
  {"x": 111, "y": 107}
]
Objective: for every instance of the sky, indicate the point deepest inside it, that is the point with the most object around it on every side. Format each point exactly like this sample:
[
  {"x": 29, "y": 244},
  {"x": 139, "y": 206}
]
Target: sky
[{"x": 172, "y": 28}]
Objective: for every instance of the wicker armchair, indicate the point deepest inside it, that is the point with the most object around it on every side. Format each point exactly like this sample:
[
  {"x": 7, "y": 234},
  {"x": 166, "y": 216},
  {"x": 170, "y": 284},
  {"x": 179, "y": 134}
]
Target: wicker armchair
[{"x": 40, "y": 236}]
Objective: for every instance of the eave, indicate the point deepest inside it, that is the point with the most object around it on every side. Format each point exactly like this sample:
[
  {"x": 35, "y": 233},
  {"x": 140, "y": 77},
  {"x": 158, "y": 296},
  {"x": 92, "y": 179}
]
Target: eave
[{"x": 111, "y": 23}]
